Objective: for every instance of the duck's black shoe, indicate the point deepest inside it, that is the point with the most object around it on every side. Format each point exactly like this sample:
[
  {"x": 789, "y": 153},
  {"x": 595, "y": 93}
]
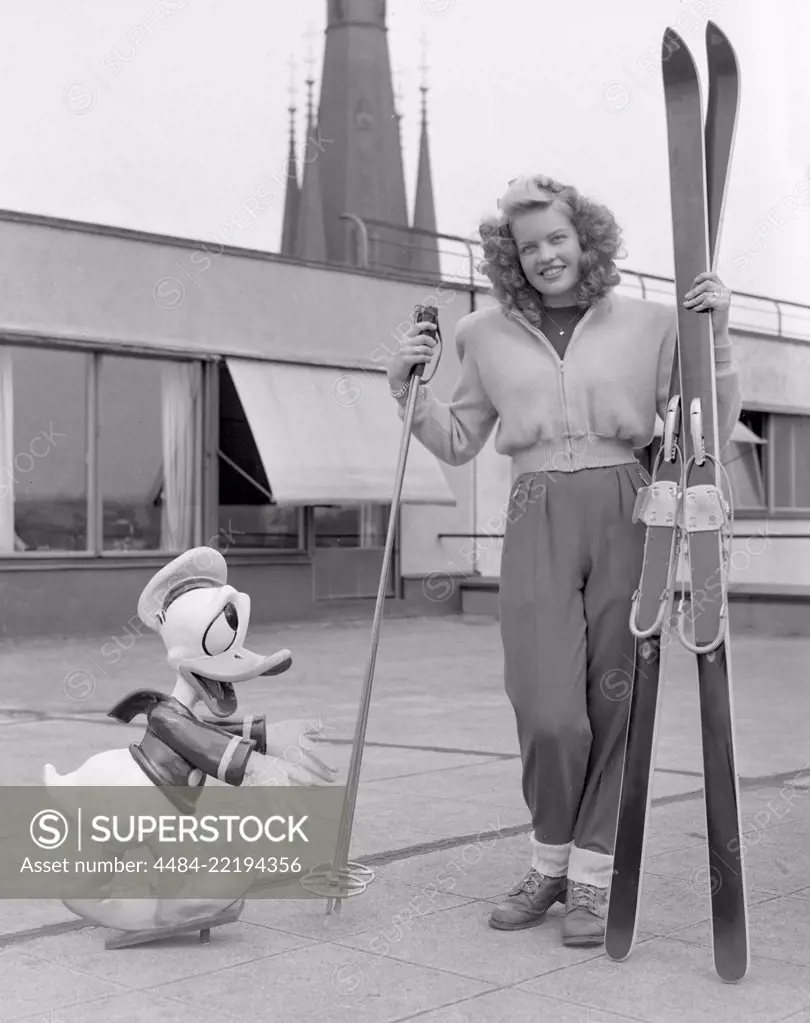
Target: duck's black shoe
[{"x": 528, "y": 902}]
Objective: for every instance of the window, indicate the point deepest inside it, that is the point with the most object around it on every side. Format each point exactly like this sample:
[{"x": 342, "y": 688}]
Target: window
[
  {"x": 790, "y": 458},
  {"x": 248, "y": 513},
  {"x": 43, "y": 442},
  {"x": 744, "y": 464},
  {"x": 148, "y": 453},
  {"x": 349, "y": 545},
  {"x": 359, "y": 525}
]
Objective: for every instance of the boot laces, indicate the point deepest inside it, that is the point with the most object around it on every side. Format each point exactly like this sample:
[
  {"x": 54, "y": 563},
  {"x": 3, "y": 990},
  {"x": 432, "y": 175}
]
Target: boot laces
[
  {"x": 530, "y": 883},
  {"x": 585, "y": 896}
]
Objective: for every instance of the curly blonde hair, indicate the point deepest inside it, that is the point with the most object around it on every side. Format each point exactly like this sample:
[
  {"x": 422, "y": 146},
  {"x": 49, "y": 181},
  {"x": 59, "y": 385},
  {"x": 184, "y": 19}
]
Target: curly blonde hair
[{"x": 599, "y": 236}]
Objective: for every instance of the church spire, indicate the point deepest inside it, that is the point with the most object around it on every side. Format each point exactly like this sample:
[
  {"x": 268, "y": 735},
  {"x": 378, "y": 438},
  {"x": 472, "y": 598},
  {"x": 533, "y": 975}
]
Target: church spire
[
  {"x": 292, "y": 196},
  {"x": 426, "y": 254},
  {"x": 361, "y": 164},
  {"x": 310, "y": 240}
]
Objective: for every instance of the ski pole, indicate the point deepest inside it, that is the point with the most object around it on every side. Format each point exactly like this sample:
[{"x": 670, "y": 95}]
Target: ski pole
[{"x": 345, "y": 878}]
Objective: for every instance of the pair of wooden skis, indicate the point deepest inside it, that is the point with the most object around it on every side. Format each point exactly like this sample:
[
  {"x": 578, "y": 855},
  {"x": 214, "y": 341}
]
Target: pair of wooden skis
[{"x": 684, "y": 505}]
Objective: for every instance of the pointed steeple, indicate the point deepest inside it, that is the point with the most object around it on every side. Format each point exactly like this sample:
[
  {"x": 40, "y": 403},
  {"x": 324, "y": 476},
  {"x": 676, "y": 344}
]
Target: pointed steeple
[
  {"x": 292, "y": 196},
  {"x": 361, "y": 164},
  {"x": 310, "y": 239},
  {"x": 397, "y": 115},
  {"x": 426, "y": 249}
]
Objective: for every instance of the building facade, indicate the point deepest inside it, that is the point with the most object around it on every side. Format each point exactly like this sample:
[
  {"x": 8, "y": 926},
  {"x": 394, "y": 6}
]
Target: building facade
[{"x": 143, "y": 414}]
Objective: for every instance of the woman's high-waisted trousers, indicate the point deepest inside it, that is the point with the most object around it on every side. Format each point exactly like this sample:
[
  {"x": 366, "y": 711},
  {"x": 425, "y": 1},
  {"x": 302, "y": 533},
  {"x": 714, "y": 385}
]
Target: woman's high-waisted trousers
[{"x": 570, "y": 564}]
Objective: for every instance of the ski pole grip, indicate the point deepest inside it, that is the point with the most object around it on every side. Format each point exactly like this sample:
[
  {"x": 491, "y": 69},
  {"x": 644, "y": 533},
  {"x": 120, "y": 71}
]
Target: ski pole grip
[{"x": 430, "y": 313}]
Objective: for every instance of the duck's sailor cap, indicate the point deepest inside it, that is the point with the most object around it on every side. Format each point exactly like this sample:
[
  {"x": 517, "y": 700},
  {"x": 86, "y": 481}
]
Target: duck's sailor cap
[{"x": 199, "y": 568}]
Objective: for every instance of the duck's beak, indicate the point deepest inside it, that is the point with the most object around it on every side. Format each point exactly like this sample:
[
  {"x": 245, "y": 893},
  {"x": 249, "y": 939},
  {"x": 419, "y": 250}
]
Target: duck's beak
[
  {"x": 238, "y": 665},
  {"x": 214, "y": 676}
]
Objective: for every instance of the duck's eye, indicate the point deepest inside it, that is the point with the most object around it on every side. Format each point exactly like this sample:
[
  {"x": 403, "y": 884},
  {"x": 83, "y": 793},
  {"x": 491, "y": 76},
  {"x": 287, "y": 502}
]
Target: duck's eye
[{"x": 221, "y": 633}]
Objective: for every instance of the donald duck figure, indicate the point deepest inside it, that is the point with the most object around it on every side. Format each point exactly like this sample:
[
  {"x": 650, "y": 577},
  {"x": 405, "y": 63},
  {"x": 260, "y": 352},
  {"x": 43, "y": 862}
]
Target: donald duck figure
[{"x": 203, "y": 623}]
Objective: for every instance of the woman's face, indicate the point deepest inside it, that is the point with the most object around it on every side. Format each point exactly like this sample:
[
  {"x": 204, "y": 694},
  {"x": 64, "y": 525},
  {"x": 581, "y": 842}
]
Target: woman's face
[{"x": 549, "y": 253}]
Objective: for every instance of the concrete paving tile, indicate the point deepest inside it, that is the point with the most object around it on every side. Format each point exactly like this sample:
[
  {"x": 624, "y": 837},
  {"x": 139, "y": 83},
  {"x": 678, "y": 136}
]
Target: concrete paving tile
[
  {"x": 678, "y": 825},
  {"x": 377, "y": 797},
  {"x": 675, "y": 826},
  {"x": 457, "y": 787},
  {"x": 777, "y": 929},
  {"x": 671, "y": 903},
  {"x": 462, "y": 942},
  {"x": 24, "y": 914},
  {"x": 31, "y": 986},
  {"x": 481, "y": 783},
  {"x": 667, "y": 784},
  {"x": 803, "y": 1016},
  {"x": 512, "y": 1005},
  {"x": 325, "y": 982},
  {"x": 775, "y": 860},
  {"x": 160, "y": 962},
  {"x": 667, "y": 981},
  {"x": 370, "y": 838},
  {"x": 765, "y": 742},
  {"x": 381, "y": 907},
  {"x": 478, "y": 869},
  {"x": 451, "y": 817},
  {"x": 381, "y": 762},
  {"x": 133, "y": 1008},
  {"x": 777, "y": 804}
]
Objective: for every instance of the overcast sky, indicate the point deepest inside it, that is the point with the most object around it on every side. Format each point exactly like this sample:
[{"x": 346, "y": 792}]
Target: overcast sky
[{"x": 179, "y": 135}]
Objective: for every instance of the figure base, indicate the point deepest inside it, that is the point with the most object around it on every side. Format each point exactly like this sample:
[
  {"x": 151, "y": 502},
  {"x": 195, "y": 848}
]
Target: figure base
[{"x": 127, "y": 939}]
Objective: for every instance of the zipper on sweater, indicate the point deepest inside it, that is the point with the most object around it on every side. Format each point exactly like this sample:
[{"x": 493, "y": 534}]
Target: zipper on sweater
[
  {"x": 561, "y": 364},
  {"x": 574, "y": 333},
  {"x": 565, "y": 402}
]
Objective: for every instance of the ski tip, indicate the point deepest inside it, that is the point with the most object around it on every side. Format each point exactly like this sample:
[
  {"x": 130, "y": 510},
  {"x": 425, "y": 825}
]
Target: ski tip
[
  {"x": 714, "y": 34},
  {"x": 676, "y": 61},
  {"x": 718, "y": 42}
]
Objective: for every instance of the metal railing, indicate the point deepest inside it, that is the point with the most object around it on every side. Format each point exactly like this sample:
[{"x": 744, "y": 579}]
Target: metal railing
[
  {"x": 788, "y": 324},
  {"x": 390, "y": 248}
]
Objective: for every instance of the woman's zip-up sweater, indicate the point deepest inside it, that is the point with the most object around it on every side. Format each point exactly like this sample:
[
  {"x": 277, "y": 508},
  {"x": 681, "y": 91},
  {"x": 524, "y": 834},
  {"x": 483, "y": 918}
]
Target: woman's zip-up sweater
[{"x": 591, "y": 408}]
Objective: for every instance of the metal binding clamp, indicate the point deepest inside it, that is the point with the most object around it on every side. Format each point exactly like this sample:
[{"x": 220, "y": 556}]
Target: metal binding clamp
[
  {"x": 657, "y": 505},
  {"x": 672, "y": 428},
  {"x": 704, "y": 509},
  {"x": 696, "y": 424}
]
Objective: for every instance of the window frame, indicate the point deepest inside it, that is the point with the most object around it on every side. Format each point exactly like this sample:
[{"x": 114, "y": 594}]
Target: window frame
[
  {"x": 763, "y": 511},
  {"x": 770, "y": 510},
  {"x": 774, "y": 511},
  {"x": 95, "y": 495},
  {"x": 23, "y": 557},
  {"x": 206, "y": 479}
]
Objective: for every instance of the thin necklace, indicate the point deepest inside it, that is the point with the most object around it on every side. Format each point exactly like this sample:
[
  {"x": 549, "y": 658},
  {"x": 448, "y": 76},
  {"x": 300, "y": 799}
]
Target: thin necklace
[{"x": 548, "y": 314}]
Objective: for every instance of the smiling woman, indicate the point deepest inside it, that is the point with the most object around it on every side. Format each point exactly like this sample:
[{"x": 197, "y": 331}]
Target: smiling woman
[
  {"x": 574, "y": 375},
  {"x": 567, "y": 273}
]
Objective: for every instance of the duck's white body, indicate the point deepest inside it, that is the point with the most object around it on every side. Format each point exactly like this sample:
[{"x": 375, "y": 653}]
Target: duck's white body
[
  {"x": 112, "y": 767},
  {"x": 202, "y": 622}
]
